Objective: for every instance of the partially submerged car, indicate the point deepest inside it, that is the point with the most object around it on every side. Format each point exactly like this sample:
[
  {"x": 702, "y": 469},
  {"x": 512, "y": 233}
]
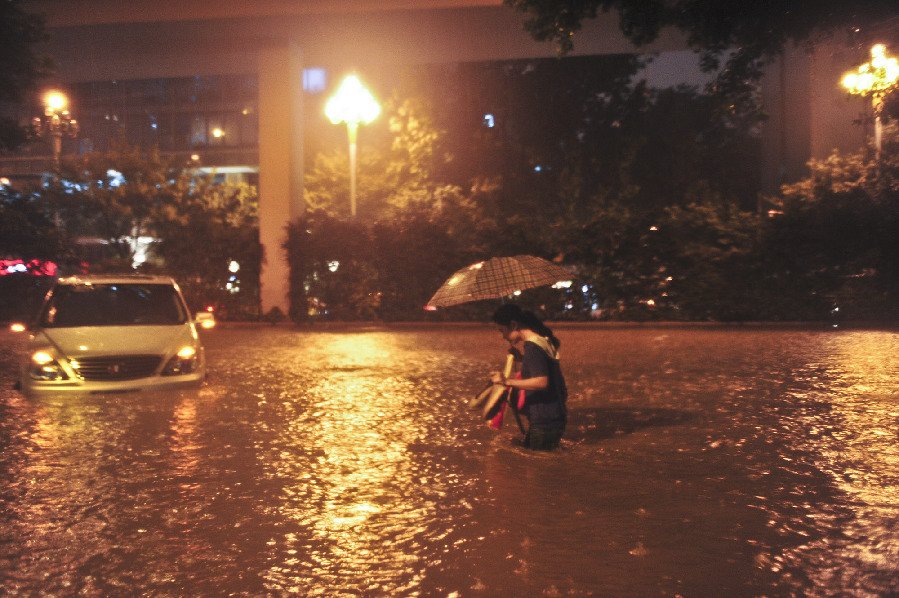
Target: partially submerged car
[{"x": 111, "y": 334}]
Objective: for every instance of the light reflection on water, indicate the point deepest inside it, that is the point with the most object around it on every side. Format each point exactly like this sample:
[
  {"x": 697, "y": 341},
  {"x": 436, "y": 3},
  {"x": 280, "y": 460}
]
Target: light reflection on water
[
  {"x": 698, "y": 462},
  {"x": 360, "y": 488},
  {"x": 853, "y": 438}
]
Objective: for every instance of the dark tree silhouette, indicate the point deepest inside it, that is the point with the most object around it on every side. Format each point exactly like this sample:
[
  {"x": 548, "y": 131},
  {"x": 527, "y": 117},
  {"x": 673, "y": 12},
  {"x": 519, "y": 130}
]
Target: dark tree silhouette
[{"x": 21, "y": 65}]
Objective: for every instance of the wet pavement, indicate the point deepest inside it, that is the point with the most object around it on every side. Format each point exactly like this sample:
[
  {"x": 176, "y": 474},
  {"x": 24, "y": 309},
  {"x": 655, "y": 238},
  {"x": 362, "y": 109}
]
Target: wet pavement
[{"x": 698, "y": 462}]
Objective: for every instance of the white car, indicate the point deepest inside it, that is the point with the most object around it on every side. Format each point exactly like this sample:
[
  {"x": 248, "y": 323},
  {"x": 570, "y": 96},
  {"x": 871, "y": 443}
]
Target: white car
[{"x": 112, "y": 334}]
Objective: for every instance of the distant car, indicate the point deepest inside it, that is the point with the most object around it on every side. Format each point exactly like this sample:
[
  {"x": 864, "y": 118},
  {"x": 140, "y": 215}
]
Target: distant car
[{"x": 111, "y": 334}]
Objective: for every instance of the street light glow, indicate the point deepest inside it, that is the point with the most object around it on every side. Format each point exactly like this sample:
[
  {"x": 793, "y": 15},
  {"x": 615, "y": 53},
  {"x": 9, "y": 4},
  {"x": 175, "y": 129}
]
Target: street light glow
[
  {"x": 876, "y": 79},
  {"x": 56, "y": 123},
  {"x": 55, "y": 101},
  {"x": 352, "y": 103}
]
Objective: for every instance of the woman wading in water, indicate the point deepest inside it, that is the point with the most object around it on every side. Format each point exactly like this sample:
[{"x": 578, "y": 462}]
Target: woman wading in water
[{"x": 541, "y": 376}]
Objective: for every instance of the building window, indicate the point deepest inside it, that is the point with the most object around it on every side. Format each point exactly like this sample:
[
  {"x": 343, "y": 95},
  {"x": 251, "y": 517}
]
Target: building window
[{"x": 314, "y": 80}]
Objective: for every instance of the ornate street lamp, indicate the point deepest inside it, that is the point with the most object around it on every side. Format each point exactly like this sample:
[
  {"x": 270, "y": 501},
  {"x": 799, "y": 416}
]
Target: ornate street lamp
[
  {"x": 875, "y": 79},
  {"x": 56, "y": 122},
  {"x": 354, "y": 105}
]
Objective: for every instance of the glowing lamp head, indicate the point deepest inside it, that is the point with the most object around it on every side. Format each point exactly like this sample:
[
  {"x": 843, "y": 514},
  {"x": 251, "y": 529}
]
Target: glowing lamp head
[
  {"x": 875, "y": 77},
  {"x": 55, "y": 101},
  {"x": 352, "y": 103},
  {"x": 850, "y": 82}
]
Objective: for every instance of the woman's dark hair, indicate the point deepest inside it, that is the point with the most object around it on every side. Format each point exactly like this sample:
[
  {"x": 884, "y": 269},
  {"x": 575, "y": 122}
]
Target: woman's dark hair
[{"x": 510, "y": 312}]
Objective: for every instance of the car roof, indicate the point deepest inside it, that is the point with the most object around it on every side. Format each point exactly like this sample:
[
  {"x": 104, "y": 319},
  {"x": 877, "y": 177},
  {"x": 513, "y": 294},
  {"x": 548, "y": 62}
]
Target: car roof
[{"x": 115, "y": 279}]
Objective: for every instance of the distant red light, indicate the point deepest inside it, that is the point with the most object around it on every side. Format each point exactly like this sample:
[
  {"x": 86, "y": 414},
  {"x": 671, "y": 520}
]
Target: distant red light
[
  {"x": 33, "y": 267},
  {"x": 210, "y": 308},
  {"x": 430, "y": 308}
]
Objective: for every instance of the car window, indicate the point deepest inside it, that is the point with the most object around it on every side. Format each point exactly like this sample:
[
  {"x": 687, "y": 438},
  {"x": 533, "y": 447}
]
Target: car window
[{"x": 113, "y": 305}]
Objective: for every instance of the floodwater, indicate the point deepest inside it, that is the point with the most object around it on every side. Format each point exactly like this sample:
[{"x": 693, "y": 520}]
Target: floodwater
[{"x": 698, "y": 462}]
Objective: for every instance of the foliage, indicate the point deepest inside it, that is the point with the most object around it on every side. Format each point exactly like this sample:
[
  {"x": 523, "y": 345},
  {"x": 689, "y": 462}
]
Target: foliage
[
  {"x": 585, "y": 173},
  {"x": 416, "y": 249},
  {"x": 384, "y": 269},
  {"x": 708, "y": 263},
  {"x": 110, "y": 199},
  {"x": 203, "y": 229},
  {"x": 20, "y": 64},
  {"x": 410, "y": 229},
  {"x": 27, "y": 229},
  {"x": 112, "y": 196},
  {"x": 332, "y": 256},
  {"x": 834, "y": 234},
  {"x": 561, "y": 154},
  {"x": 391, "y": 176},
  {"x": 647, "y": 195},
  {"x": 660, "y": 230},
  {"x": 748, "y": 33}
]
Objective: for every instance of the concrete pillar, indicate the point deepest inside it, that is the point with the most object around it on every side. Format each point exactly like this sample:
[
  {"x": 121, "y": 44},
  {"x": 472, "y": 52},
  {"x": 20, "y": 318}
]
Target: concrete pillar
[
  {"x": 280, "y": 165},
  {"x": 838, "y": 118},
  {"x": 786, "y": 135}
]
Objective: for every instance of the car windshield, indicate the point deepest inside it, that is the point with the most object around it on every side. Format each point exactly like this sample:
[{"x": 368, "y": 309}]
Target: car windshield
[{"x": 118, "y": 304}]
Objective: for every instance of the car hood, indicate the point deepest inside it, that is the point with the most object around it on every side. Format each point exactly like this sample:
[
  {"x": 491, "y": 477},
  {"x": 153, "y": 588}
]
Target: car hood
[{"x": 116, "y": 340}]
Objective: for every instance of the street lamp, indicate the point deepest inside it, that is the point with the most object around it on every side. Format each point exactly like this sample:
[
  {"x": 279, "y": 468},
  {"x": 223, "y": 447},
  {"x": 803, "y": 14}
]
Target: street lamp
[
  {"x": 352, "y": 104},
  {"x": 876, "y": 79},
  {"x": 56, "y": 122}
]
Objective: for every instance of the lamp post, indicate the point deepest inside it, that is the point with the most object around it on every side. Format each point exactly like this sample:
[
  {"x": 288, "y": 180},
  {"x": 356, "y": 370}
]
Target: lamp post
[
  {"x": 56, "y": 122},
  {"x": 354, "y": 105},
  {"x": 876, "y": 79}
]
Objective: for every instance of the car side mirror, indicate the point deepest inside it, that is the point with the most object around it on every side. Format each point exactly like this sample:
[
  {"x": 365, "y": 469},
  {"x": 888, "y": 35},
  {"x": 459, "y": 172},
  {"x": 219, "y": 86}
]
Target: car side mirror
[{"x": 204, "y": 319}]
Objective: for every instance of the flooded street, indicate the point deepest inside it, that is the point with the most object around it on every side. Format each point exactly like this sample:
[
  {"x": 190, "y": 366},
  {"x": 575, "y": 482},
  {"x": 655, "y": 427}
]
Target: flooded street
[{"x": 698, "y": 462}]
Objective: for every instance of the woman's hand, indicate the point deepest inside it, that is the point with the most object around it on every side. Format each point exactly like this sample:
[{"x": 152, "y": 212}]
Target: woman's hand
[{"x": 497, "y": 378}]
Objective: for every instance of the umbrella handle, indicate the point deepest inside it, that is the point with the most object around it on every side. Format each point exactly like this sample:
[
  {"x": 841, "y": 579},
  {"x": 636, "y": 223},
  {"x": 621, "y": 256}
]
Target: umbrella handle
[{"x": 510, "y": 362}]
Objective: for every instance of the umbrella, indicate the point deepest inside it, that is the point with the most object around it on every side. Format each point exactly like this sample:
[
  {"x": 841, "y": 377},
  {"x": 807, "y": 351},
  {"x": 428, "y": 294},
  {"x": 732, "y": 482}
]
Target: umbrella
[{"x": 496, "y": 278}]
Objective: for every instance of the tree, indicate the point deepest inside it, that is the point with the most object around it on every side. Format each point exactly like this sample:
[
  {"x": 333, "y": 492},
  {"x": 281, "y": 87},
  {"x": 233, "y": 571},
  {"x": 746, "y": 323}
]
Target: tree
[
  {"x": 613, "y": 249},
  {"x": 412, "y": 226},
  {"x": 193, "y": 228},
  {"x": 112, "y": 196},
  {"x": 21, "y": 66},
  {"x": 752, "y": 32},
  {"x": 708, "y": 262},
  {"x": 27, "y": 230},
  {"x": 331, "y": 268},
  {"x": 584, "y": 160},
  {"x": 577, "y": 161},
  {"x": 203, "y": 228},
  {"x": 833, "y": 237},
  {"x": 394, "y": 171}
]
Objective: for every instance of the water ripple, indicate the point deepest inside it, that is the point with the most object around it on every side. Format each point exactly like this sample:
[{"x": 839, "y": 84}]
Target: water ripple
[{"x": 697, "y": 462}]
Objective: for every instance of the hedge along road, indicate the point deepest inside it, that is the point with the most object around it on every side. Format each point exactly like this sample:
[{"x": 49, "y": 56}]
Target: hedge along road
[{"x": 698, "y": 461}]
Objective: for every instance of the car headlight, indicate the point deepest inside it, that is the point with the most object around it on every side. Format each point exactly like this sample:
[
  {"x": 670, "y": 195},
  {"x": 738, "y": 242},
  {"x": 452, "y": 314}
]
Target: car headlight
[
  {"x": 45, "y": 367},
  {"x": 183, "y": 362}
]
